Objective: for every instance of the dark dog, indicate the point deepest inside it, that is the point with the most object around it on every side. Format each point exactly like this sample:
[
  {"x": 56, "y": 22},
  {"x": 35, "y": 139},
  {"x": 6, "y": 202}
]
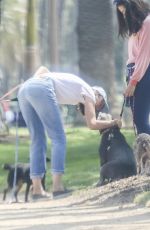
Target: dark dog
[
  {"x": 22, "y": 176},
  {"x": 116, "y": 157}
]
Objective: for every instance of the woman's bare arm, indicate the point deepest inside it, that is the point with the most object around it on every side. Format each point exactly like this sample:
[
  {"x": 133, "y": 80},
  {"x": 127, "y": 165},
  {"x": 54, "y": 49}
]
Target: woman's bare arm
[{"x": 91, "y": 120}]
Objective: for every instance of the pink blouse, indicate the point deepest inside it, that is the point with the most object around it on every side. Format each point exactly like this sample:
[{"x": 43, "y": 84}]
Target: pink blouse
[{"x": 139, "y": 51}]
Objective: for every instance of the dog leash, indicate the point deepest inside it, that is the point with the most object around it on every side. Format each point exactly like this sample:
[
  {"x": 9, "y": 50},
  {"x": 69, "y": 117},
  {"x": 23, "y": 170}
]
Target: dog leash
[
  {"x": 134, "y": 126},
  {"x": 16, "y": 152},
  {"x": 3, "y": 99},
  {"x": 121, "y": 113},
  {"x": 122, "y": 109},
  {"x": 9, "y": 93}
]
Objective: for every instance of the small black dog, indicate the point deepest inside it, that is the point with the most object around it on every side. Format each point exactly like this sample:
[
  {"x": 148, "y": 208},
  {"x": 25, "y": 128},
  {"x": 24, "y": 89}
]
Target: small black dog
[{"x": 22, "y": 176}]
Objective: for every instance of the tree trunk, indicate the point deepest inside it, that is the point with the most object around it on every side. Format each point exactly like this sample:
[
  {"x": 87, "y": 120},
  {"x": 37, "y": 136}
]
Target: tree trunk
[
  {"x": 31, "y": 54},
  {"x": 53, "y": 33},
  {"x": 96, "y": 44},
  {"x": 68, "y": 37}
]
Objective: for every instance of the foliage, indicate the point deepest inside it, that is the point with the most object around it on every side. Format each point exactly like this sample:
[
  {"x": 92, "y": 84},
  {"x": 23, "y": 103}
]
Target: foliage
[
  {"x": 82, "y": 162},
  {"x": 86, "y": 43},
  {"x": 11, "y": 42}
]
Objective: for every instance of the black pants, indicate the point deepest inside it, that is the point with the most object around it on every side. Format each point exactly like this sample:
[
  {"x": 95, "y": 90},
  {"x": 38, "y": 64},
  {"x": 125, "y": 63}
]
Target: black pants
[{"x": 140, "y": 104}]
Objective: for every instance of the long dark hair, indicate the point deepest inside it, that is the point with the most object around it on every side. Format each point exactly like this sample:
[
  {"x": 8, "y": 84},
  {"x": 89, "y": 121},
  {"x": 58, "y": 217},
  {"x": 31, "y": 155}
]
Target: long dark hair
[
  {"x": 81, "y": 108},
  {"x": 136, "y": 12}
]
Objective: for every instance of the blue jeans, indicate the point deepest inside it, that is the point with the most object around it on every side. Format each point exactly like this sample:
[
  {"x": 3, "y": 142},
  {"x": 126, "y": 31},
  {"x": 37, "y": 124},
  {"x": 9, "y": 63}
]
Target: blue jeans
[
  {"x": 140, "y": 104},
  {"x": 41, "y": 113}
]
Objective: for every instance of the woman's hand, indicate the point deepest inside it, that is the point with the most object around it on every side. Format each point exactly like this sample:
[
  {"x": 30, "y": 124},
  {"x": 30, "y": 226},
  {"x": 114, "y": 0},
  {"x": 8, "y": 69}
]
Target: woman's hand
[
  {"x": 129, "y": 90},
  {"x": 117, "y": 122}
]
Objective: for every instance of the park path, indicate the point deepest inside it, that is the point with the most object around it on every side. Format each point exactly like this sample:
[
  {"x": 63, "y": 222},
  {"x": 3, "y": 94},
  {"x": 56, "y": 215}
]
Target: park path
[{"x": 66, "y": 214}]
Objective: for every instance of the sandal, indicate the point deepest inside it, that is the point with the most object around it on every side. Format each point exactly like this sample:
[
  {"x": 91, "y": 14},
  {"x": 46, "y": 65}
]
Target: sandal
[
  {"x": 61, "y": 194},
  {"x": 41, "y": 197}
]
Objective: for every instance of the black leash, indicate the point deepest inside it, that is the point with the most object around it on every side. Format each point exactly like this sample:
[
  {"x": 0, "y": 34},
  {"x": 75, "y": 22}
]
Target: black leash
[
  {"x": 9, "y": 100},
  {"x": 14, "y": 99},
  {"x": 122, "y": 109}
]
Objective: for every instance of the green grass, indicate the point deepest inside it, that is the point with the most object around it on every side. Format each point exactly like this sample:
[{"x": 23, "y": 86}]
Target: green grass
[{"x": 82, "y": 161}]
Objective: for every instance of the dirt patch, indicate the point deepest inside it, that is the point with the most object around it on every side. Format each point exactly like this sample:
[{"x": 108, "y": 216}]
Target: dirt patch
[
  {"x": 115, "y": 193},
  {"x": 107, "y": 207}
]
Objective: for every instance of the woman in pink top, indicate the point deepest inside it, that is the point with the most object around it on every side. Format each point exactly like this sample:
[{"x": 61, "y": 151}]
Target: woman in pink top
[{"x": 134, "y": 23}]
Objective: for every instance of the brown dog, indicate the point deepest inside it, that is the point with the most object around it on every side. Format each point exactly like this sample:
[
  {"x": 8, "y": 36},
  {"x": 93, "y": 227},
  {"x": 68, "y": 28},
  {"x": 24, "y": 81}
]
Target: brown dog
[{"x": 142, "y": 153}]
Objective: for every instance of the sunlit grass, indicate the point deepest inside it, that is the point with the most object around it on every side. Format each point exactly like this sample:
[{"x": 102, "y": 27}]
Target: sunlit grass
[{"x": 82, "y": 159}]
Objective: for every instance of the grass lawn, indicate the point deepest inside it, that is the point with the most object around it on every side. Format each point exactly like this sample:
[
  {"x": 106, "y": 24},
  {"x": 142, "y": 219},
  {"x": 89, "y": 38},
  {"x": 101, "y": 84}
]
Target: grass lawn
[{"x": 82, "y": 162}]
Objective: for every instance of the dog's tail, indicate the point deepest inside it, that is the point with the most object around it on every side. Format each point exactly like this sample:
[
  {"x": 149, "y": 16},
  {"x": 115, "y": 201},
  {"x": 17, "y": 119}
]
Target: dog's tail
[{"x": 7, "y": 166}]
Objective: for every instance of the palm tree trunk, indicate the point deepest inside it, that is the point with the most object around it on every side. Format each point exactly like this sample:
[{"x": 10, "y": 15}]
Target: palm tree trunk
[
  {"x": 96, "y": 44},
  {"x": 31, "y": 55},
  {"x": 53, "y": 33}
]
